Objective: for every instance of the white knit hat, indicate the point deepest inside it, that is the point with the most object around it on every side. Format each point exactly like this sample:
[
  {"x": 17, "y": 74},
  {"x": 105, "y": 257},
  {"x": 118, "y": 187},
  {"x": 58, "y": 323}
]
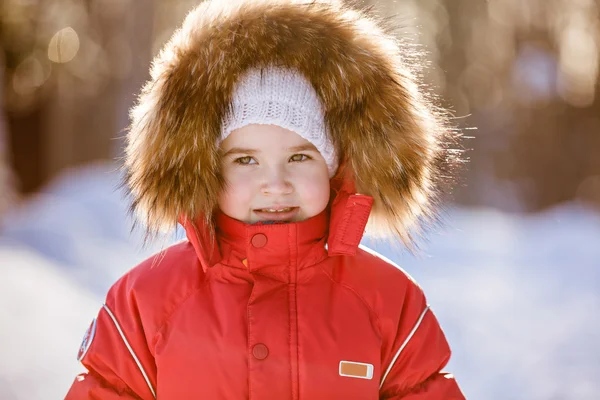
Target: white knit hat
[{"x": 282, "y": 97}]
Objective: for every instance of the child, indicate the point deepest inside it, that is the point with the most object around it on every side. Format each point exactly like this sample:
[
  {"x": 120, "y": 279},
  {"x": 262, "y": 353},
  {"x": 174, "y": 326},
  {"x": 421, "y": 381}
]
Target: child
[{"x": 276, "y": 132}]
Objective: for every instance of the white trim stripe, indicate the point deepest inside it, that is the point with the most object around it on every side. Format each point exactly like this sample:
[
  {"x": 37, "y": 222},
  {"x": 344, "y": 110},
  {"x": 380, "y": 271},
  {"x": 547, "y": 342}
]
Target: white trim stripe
[
  {"x": 378, "y": 255},
  {"x": 137, "y": 361},
  {"x": 410, "y": 335}
]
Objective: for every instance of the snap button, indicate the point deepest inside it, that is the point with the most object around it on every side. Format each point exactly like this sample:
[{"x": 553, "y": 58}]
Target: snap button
[
  {"x": 259, "y": 240},
  {"x": 260, "y": 351}
]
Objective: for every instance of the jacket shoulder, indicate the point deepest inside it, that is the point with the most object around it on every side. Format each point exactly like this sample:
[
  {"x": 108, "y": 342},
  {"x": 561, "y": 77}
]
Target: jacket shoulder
[
  {"x": 171, "y": 264},
  {"x": 389, "y": 291},
  {"x": 158, "y": 284},
  {"x": 369, "y": 271}
]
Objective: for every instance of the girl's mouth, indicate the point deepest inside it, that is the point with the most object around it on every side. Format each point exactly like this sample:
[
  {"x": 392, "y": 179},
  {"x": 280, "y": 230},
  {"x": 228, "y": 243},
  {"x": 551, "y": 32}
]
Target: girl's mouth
[{"x": 282, "y": 214}]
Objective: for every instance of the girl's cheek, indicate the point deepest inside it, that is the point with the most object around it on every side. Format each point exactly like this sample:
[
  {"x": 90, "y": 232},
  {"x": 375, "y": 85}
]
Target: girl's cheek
[
  {"x": 232, "y": 174},
  {"x": 241, "y": 188},
  {"x": 240, "y": 180},
  {"x": 317, "y": 189}
]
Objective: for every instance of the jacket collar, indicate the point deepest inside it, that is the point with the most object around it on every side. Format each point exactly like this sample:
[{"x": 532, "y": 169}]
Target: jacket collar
[
  {"x": 268, "y": 247},
  {"x": 341, "y": 226}
]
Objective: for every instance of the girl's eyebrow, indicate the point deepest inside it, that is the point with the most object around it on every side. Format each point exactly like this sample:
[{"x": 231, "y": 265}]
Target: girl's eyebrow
[{"x": 241, "y": 150}]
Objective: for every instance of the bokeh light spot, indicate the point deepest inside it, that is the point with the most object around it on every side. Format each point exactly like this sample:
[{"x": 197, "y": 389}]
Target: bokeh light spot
[{"x": 63, "y": 46}]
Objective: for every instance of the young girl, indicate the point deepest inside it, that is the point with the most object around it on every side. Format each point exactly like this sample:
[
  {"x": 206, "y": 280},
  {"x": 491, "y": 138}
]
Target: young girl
[{"x": 276, "y": 132}]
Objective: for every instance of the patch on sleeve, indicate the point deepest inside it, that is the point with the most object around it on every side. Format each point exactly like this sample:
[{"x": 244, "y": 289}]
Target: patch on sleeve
[{"x": 87, "y": 340}]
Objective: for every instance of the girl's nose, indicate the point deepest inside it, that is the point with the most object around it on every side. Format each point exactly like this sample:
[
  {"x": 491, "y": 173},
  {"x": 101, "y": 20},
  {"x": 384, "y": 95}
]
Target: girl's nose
[{"x": 276, "y": 182}]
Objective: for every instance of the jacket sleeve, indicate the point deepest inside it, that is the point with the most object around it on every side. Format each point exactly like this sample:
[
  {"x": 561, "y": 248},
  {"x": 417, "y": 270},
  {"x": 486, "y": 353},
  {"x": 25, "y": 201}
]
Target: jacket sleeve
[
  {"x": 115, "y": 353},
  {"x": 412, "y": 367}
]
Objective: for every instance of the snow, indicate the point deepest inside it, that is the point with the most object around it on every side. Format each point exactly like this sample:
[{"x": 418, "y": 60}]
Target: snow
[
  {"x": 517, "y": 295},
  {"x": 43, "y": 314},
  {"x": 519, "y": 299}
]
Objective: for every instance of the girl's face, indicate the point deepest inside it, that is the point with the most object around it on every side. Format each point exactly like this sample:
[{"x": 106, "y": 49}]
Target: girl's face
[{"x": 267, "y": 167}]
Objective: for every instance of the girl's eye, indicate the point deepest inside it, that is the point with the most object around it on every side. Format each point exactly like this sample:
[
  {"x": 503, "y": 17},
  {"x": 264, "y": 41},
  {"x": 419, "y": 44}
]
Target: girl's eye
[
  {"x": 243, "y": 160},
  {"x": 295, "y": 157},
  {"x": 247, "y": 159}
]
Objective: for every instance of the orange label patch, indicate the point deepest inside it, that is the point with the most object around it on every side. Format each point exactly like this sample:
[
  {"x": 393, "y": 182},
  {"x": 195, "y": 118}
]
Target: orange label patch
[{"x": 356, "y": 369}]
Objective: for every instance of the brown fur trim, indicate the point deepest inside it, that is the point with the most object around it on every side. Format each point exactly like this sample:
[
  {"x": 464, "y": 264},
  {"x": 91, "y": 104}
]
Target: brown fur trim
[{"x": 386, "y": 130}]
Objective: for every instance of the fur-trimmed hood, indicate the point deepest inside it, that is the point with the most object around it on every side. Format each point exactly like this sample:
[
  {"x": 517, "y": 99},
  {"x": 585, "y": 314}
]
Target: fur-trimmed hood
[{"x": 392, "y": 141}]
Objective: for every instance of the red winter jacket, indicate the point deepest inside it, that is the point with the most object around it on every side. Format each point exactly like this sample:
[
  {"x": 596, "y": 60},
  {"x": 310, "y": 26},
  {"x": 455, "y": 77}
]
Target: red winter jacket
[{"x": 269, "y": 312}]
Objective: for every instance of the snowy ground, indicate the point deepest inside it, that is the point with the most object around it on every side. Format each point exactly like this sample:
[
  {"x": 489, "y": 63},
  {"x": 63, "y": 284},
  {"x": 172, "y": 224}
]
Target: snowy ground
[{"x": 518, "y": 296}]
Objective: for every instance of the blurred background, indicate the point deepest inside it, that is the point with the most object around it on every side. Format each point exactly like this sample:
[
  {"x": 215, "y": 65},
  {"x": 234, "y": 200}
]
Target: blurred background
[{"x": 514, "y": 274}]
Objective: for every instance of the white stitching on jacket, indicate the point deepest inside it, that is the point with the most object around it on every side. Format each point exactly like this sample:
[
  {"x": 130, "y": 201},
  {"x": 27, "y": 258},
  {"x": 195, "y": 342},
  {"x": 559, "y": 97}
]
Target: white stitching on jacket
[
  {"x": 410, "y": 335},
  {"x": 137, "y": 361}
]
